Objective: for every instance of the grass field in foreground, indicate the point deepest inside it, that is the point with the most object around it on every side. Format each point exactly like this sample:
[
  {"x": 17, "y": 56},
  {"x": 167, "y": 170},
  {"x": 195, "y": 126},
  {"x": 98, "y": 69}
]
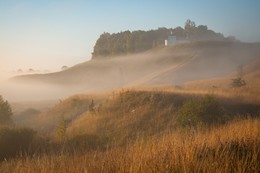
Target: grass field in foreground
[{"x": 230, "y": 148}]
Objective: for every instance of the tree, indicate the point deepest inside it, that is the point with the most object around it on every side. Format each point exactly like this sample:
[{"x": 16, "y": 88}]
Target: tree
[
  {"x": 239, "y": 81},
  {"x": 232, "y": 38},
  {"x": 179, "y": 32},
  {"x": 91, "y": 106},
  {"x": 189, "y": 25},
  {"x": 31, "y": 70},
  {"x": 102, "y": 46},
  {"x": 64, "y": 67},
  {"x": 5, "y": 112},
  {"x": 126, "y": 42}
]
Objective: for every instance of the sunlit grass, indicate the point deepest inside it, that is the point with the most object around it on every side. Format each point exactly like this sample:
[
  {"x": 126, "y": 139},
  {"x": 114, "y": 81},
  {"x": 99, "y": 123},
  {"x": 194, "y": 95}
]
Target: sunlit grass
[
  {"x": 230, "y": 148},
  {"x": 136, "y": 131}
]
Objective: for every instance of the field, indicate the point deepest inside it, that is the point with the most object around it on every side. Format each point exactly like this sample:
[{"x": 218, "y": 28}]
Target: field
[
  {"x": 146, "y": 131},
  {"x": 230, "y": 148}
]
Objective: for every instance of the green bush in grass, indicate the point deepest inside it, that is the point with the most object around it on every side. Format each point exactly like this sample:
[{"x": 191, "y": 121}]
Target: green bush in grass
[{"x": 200, "y": 110}]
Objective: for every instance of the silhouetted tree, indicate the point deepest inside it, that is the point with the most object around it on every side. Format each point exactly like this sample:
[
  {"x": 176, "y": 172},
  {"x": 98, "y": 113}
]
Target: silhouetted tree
[
  {"x": 19, "y": 70},
  {"x": 64, "y": 67},
  {"x": 239, "y": 81},
  {"x": 31, "y": 70},
  {"x": 232, "y": 38},
  {"x": 5, "y": 112},
  {"x": 91, "y": 106}
]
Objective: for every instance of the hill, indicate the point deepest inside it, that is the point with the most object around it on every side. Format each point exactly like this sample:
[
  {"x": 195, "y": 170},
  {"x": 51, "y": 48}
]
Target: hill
[
  {"x": 132, "y": 112},
  {"x": 127, "y": 42},
  {"x": 174, "y": 65}
]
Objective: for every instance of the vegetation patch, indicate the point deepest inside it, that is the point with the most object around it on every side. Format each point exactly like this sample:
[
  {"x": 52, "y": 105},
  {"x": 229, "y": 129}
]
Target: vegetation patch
[
  {"x": 14, "y": 141},
  {"x": 200, "y": 110}
]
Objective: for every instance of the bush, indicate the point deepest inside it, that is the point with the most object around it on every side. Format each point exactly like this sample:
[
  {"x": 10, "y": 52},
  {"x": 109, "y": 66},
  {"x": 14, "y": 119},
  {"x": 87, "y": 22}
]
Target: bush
[
  {"x": 238, "y": 82},
  {"x": 205, "y": 110},
  {"x": 85, "y": 141},
  {"x": 14, "y": 141},
  {"x": 5, "y": 112}
]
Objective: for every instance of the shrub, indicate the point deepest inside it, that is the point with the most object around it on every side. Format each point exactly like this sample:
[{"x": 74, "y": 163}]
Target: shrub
[
  {"x": 14, "y": 141},
  {"x": 205, "y": 110},
  {"x": 85, "y": 142},
  {"x": 5, "y": 112},
  {"x": 238, "y": 82}
]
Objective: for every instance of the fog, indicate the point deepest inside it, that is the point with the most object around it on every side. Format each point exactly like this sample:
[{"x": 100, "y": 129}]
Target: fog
[
  {"x": 31, "y": 91},
  {"x": 169, "y": 65}
]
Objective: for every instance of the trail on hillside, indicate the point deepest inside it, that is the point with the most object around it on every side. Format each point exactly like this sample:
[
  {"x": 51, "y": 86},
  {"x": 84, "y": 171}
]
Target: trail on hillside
[{"x": 156, "y": 74}]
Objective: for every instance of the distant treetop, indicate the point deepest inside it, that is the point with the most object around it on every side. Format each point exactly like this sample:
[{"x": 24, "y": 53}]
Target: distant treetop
[
  {"x": 64, "y": 67},
  {"x": 127, "y": 42}
]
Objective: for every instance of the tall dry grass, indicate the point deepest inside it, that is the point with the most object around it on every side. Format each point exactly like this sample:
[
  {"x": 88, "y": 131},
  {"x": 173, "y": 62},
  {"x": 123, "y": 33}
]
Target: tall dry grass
[{"x": 233, "y": 147}]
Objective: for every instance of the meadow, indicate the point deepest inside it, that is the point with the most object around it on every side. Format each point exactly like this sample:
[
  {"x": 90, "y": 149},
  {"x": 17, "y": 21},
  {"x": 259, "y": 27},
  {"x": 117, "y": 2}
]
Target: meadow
[{"x": 147, "y": 131}]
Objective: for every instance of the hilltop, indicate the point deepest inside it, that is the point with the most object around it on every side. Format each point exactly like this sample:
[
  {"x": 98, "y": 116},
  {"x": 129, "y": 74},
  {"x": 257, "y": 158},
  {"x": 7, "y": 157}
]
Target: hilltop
[{"x": 127, "y": 42}]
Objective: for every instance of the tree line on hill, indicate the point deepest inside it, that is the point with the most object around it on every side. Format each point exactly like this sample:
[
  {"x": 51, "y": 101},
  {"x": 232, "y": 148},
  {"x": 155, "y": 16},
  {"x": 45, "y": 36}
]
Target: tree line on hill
[{"x": 127, "y": 42}]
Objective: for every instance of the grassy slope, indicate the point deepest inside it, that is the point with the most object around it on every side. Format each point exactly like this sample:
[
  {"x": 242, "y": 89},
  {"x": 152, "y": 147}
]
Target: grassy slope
[
  {"x": 251, "y": 74},
  {"x": 135, "y": 131},
  {"x": 210, "y": 60},
  {"x": 70, "y": 108},
  {"x": 124, "y": 112},
  {"x": 144, "y": 113},
  {"x": 168, "y": 65},
  {"x": 236, "y": 150},
  {"x": 222, "y": 86}
]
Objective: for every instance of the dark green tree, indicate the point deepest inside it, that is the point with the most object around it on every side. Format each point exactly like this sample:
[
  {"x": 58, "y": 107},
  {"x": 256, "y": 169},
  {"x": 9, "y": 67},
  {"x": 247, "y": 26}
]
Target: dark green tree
[
  {"x": 102, "y": 47},
  {"x": 5, "y": 112}
]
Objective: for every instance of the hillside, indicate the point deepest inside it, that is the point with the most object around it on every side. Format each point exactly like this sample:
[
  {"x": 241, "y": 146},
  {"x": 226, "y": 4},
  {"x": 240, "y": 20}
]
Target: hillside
[
  {"x": 209, "y": 150},
  {"x": 173, "y": 65},
  {"x": 133, "y": 112},
  {"x": 251, "y": 74}
]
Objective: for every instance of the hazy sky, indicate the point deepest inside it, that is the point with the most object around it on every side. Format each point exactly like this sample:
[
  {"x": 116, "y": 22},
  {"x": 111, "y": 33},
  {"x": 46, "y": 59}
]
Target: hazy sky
[{"x": 47, "y": 34}]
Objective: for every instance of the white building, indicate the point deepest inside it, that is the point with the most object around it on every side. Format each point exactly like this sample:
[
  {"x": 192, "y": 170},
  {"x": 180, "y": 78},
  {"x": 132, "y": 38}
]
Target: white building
[{"x": 171, "y": 40}]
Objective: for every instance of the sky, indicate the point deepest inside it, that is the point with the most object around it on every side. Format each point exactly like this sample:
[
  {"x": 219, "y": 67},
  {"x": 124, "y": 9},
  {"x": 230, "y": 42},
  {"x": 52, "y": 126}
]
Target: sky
[{"x": 47, "y": 34}]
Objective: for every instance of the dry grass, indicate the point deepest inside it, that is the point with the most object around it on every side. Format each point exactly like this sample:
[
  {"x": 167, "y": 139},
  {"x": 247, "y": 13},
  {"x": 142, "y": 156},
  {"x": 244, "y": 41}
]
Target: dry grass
[
  {"x": 86, "y": 120},
  {"x": 134, "y": 131},
  {"x": 249, "y": 94},
  {"x": 230, "y": 148}
]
